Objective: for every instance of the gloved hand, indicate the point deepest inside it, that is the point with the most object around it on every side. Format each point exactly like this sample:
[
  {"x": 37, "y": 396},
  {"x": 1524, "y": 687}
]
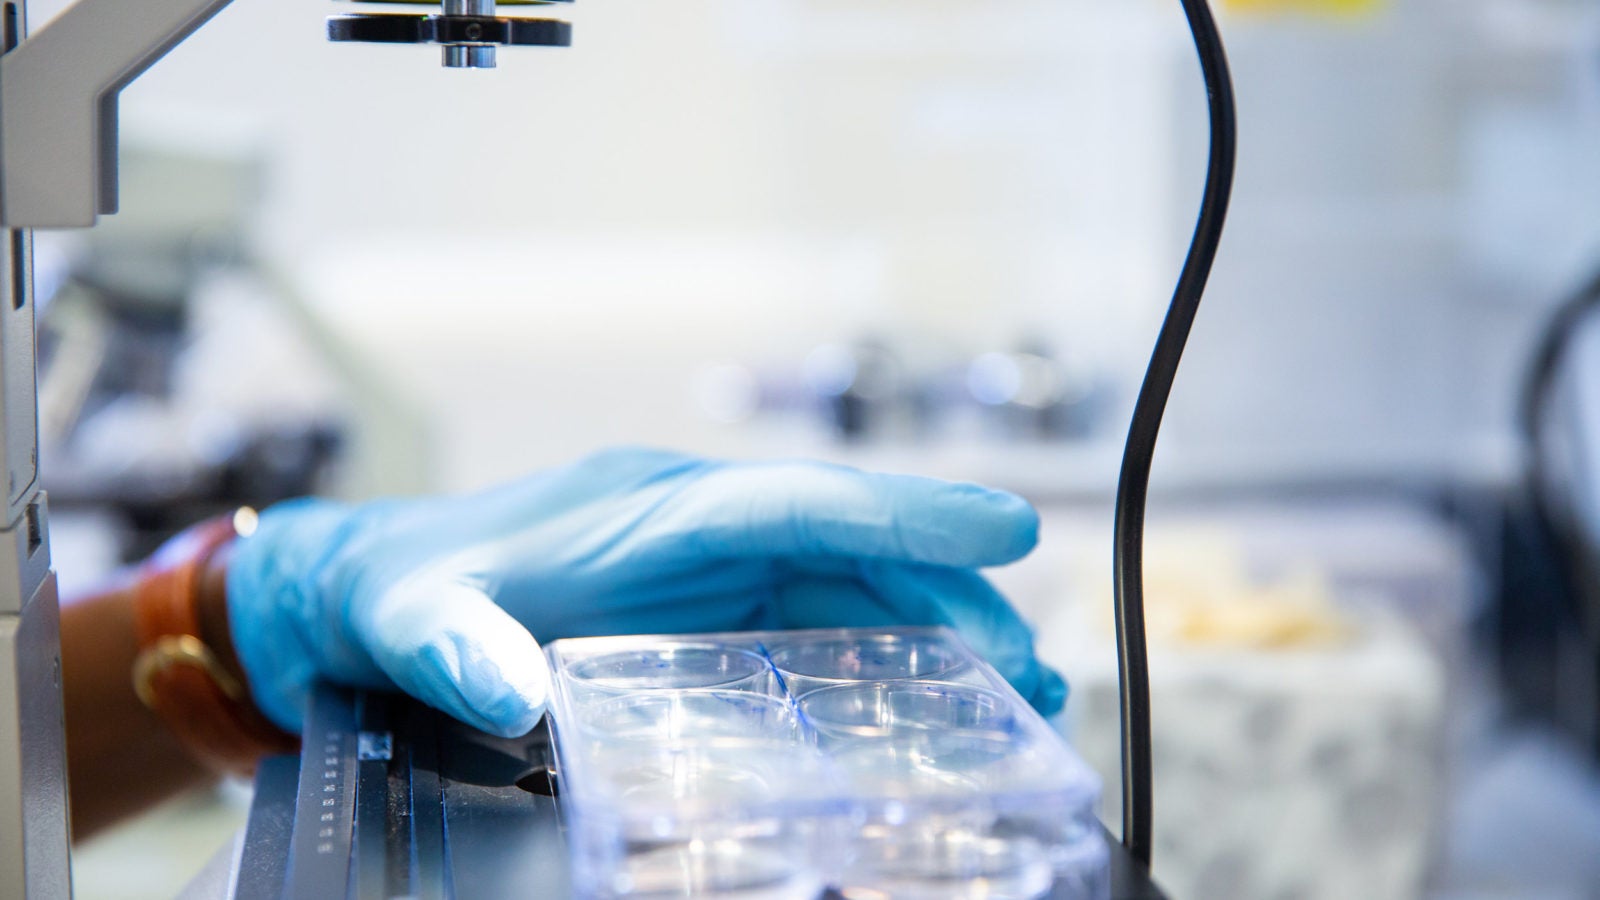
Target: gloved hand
[{"x": 444, "y": 597}]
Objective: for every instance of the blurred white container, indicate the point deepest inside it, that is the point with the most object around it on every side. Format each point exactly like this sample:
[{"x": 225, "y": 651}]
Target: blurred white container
[{"x": 1299, "y": 733}]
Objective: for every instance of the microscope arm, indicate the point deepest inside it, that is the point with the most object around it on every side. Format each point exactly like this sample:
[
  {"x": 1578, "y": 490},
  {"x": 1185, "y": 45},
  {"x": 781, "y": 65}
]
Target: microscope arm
[
  {"x": 58, "y": 104},
  {"x": 58, "y": 88}
]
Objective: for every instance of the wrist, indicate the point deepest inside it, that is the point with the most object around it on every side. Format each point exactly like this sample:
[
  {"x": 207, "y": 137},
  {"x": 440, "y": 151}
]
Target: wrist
[{"x": 179, "y": 673}]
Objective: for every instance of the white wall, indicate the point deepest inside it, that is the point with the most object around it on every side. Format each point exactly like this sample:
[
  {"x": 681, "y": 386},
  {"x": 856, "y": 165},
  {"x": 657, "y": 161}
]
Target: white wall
[{"x": 1413, "y": 193}]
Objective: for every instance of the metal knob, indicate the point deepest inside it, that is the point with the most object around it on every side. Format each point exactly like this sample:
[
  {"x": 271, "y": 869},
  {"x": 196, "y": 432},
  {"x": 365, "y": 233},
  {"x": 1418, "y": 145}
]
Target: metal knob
[
  {"x": 468, "y": 31},
  {"x": 469, "y": 56}
]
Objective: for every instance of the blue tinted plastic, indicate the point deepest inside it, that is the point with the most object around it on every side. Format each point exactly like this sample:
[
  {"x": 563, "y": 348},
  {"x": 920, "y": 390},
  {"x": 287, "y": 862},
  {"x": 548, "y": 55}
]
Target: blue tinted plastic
[{"x": 875, "y": 763}]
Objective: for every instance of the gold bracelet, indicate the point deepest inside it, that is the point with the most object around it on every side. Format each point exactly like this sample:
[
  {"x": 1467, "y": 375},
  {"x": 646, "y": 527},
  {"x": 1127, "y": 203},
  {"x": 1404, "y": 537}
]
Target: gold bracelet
[{"x": 185, "y": 650}]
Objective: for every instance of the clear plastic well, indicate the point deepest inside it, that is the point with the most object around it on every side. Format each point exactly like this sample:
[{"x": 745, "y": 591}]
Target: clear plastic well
[{"x": 883, "y": 763}]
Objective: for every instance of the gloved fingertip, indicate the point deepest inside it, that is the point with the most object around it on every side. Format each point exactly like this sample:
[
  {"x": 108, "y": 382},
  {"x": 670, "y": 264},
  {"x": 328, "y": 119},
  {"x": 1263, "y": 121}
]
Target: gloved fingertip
[
  {"x": 449, "y": 644},
  {"x": 1051, "y": 695},
  {"x": 509, "y": 696},
  {"x": 1003, "y": 526},
  {"x": 512, "y": 716},
  {"x": 1024, "y": 525}
]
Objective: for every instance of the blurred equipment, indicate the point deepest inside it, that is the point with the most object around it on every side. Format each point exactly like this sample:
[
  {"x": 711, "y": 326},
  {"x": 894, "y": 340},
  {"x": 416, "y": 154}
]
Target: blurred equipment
[
  {"x": 1278, "y": 764},
  {"x": 1302, "y": 652},
  {"x": 904, "y": 392},
  {"x": 864, "y": 389},
  {"x": 132, "y": 335},
  {"x": 1547, "y": 624},
  {"x": 1031, "y": 392}
]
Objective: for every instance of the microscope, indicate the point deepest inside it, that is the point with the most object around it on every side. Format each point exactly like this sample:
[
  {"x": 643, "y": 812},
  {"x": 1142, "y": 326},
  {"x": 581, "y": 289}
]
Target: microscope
[
  {"x": 58, "y": 169},
  {"x": 387, "y": 798}
]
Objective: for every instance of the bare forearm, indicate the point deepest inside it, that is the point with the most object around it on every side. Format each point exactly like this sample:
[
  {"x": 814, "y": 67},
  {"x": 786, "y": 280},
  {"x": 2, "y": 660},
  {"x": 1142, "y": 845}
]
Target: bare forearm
[{"x": 121, "y": 758}]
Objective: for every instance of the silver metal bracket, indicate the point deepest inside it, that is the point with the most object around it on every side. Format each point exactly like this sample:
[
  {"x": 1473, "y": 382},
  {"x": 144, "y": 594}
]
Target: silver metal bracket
[
  {"x": 19, "y": 415},
  {"x": 58, "y": 105},
  {"x": 34, "y": 829}
]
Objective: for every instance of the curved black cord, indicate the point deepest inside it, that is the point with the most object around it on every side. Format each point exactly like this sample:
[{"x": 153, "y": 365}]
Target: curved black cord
[
  {"x": 1549, "y": 351},
  {"x": 1133, "y": 486},
  {"x": 1547, "y": 354},
  {"x": 1550, "y": 523}
]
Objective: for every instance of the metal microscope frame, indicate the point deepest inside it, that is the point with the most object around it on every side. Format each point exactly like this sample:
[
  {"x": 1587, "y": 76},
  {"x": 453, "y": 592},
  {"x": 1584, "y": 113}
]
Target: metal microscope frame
[{"x": 58, "y": 169}]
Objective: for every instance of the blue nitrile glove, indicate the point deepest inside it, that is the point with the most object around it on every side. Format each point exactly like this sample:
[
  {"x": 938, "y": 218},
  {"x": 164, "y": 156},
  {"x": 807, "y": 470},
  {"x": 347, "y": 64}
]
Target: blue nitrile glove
[{"x": 439, "y": 595}]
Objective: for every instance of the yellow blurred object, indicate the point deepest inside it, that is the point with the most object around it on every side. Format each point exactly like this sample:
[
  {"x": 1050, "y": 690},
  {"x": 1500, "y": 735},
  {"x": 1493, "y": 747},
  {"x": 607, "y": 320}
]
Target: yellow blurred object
[
  {"x": 1200, "y": 592},
  {"x": 1319, "y": 7}
]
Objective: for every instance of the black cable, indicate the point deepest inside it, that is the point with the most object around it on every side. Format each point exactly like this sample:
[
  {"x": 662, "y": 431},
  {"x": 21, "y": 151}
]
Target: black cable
[
  {"x": 1544, "y": 363},
  {"x": 1552, "y": 522},
  {"x": 1133, "y": 486},
  {"x": 1548, "y": 352}
]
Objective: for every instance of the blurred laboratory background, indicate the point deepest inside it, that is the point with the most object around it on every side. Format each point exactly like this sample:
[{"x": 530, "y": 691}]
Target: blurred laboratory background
[{"x": 937, "y": 237}]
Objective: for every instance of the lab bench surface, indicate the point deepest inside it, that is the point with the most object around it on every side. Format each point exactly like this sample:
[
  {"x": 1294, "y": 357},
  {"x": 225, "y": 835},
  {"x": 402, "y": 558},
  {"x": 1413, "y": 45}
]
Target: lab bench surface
[{"x": 389, "y": 798}]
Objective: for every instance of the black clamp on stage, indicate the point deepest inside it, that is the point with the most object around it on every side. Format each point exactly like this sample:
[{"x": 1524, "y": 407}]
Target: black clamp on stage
[{"x": 467, "y": 30}]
